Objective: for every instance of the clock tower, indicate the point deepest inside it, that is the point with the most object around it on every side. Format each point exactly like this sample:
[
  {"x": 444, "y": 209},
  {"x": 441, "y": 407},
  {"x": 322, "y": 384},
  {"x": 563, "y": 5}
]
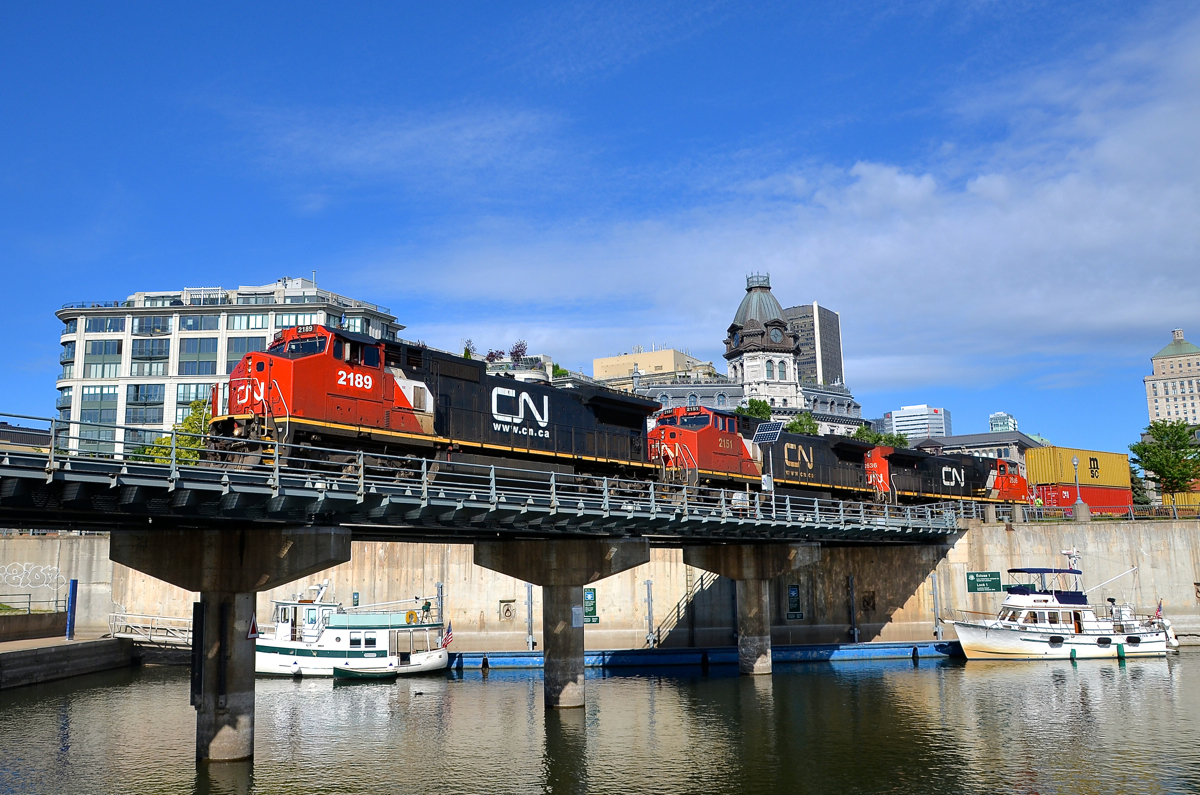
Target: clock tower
[{"x": 761, "y": 350}]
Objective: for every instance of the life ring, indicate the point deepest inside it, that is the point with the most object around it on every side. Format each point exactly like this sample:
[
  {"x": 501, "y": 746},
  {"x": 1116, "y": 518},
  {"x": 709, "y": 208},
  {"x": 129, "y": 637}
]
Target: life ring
[{"x": 410, "y": 617}]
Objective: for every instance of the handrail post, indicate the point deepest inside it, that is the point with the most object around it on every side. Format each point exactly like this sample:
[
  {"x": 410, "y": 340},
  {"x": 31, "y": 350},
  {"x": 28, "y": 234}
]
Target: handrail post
[
  {"x": 492, "y": 484},
  {"x": 53, "y": 444},
  {"x": 788, "y": 503},
  {"x": 842, "y": 513},
  {"x": 362, "y": 472},
  {"x": 685, "y": 503},
  {"x": 554, "y": 490},
  {"x": 724, "y": 508},
  {"x": 604, "y": 505},
  {"x": 653, "y": 505},
  {"x": 174, "y": 453},
  {"x": 424, "y": 480}
]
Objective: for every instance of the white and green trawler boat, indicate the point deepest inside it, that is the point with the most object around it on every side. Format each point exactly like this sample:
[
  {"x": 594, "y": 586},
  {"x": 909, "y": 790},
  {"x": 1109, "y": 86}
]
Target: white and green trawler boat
[{"x": 312, "y": 637}]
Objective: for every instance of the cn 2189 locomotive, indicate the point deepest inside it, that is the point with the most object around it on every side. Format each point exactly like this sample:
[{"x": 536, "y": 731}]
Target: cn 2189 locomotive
[{"x": 321, "y": 388}]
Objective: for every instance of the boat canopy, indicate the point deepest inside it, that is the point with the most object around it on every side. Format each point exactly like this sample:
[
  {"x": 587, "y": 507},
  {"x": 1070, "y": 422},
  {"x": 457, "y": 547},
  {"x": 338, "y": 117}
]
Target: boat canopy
[{"x": 1045, "y": 571}]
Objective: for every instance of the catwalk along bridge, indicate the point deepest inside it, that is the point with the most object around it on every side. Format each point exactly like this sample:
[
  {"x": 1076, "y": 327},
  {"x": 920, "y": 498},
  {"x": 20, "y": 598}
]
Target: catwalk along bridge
[{"x": 380, "y": 497}]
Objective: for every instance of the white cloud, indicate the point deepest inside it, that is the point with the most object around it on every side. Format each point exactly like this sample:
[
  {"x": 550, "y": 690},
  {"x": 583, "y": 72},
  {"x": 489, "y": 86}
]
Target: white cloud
[{"x": 1072, "y": 242}]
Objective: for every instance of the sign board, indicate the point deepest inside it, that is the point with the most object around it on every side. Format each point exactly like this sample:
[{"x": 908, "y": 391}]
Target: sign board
[
  {"x": 794, "y": 613},
  {"x": 984, "y": 582},
  {"x": 589, "y": 606},
  {"x": 767, "y": 432},
  {"x": 768, "y": 482},
  {"x": 252, "y": 632},
  {"x": 355, "y": 597},
  {"x": 576, "y": 616}
]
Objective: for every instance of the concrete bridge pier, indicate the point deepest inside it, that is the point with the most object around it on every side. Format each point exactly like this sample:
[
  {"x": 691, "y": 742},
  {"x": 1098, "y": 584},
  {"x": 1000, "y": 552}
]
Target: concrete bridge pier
[
  {"x": 562, "y": 567},
  {"x": 753, "y": 566},
  {"x": 227, "y": 567}
]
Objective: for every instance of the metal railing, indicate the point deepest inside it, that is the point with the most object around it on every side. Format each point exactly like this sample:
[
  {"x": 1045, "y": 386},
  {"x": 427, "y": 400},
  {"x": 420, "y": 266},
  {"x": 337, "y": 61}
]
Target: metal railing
[
  {"x": 24, "y": 603},
  {"x": 325, "y": 475},
  {"x": 1059, "y": 513},
  {"x": 157, "y": 630}
]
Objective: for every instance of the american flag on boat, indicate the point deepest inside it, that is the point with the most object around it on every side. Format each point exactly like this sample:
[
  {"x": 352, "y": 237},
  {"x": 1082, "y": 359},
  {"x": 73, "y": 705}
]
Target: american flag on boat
[
  {"x": 449, "y": 636},
  {"x": 1158, "y": 612}
]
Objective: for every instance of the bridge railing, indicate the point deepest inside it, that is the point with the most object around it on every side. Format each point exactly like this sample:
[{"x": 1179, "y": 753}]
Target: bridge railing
[
  {"x": 178, "y": 455},
  {"x": 158, "y": 630}
]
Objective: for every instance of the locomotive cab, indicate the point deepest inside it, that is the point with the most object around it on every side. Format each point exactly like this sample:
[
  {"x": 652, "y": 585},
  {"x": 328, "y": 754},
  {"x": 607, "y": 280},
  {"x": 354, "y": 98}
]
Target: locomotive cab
[
  {"x": 315, "y": 382},
  {"x": 686, "y": 441}
]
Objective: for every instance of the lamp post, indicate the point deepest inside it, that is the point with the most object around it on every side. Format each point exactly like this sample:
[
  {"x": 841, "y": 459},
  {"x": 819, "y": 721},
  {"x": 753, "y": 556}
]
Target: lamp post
[{"x": 1075, "y": 463}]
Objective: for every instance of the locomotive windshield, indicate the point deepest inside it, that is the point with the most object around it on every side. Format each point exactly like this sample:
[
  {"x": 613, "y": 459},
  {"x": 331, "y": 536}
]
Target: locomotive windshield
[
  {"x": 694, "y": 421},
  {"x": 297, "y": 349}
]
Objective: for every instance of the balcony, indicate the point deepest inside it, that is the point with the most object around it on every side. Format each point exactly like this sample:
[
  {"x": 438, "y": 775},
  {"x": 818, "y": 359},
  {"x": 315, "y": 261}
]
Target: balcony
[
  {"x": 63, "y": 402},
  {"x": 96, "y": 304},
  {"x": 66, "y": 356}
]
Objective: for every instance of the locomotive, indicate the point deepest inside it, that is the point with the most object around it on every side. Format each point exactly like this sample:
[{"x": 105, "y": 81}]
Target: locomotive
[
  {"x": 317, "y": 388},
  {"x": 331, "y": 395},
  {"x": 698, "y": 445}
]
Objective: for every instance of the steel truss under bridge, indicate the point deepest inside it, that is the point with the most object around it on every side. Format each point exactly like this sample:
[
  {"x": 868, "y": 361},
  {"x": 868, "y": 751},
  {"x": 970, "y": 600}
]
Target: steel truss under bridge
[{"x": 85, "y": 478}]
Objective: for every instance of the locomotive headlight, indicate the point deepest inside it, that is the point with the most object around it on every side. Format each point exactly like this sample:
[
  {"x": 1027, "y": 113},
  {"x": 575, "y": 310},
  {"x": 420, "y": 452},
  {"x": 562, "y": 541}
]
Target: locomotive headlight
[{"x": 237, "y": 429}]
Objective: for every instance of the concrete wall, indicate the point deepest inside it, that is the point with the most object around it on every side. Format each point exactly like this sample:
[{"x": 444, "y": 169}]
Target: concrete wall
[
  {"x": 24, "y": 626},
  {"x": 893, "y": 587},
  {"x": 63, "y": 660},
  {"x": 43, "y": 565}
]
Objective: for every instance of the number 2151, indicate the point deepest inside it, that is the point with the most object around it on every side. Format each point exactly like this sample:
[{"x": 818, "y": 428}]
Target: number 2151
[{"x": 354, "y": 379}]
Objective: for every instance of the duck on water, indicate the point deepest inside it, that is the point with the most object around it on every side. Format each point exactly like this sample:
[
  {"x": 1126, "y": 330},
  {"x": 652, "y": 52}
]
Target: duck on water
[{"x": 1048, "y": 618}]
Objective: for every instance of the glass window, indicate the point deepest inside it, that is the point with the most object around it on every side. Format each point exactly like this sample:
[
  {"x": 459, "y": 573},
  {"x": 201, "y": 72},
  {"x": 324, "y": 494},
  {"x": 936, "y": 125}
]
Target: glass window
[
  {"x": 186, "y": 393},
  {"x": 145, "y": 393},
  {"x": 721, "y": 400},
  {"x": 370, "y": 356},
  {"x": 71, "y": 326},
  {"x": 1031, "y": 617},
  {"x": 144, "y": 369},
  {"x": 152, "y": 324},
  {"x": 257, "y": 298},
  {"x": 358, "y": 324},
  {"x": 770, "y": 370},
  {"x": 155, "y": 348},
  {"x": 103, "y": 348},
  {"x": 198, "y": 345},
  {"x": 693, "y": 400},
  {"x": 143, "y": 415},
  {"x": 105, "y": 370},
  {"x": 664, "y": 399},
  {"x": 104, "y": 325},
  {"x": 292, "y": 319},
  {"x": 369, "y": 639},
  {"x": 783, "y": 371},
  {"x": 199, "y": 322},
  {"x": 355, "y": 640},
  {"x": 246, "y": 322},
  {"x": 1052, "y": 616},
  {"x": 194, "y": 367}
]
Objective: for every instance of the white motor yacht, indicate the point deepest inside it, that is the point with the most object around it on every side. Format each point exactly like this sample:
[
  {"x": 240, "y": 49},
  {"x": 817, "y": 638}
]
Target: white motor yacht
[{"x": 1048, "y": 618}]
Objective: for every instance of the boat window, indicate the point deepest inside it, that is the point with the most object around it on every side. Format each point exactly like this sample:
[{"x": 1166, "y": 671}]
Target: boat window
[
  {"x": 325, "y": 614},
  {"x": 1053, "y": 616},
  {"x": 1031, "y": 617},
  {"x": 355, "y": 640},
  {"x": 1041, "y": 616},
  {"x": 310, "y": 615},
  {"x": 370, "y": 640}
]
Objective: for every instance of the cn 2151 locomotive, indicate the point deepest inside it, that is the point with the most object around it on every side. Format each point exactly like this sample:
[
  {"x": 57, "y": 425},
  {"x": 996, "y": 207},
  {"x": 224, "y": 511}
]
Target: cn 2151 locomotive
[{"x": 321, "y": 390}]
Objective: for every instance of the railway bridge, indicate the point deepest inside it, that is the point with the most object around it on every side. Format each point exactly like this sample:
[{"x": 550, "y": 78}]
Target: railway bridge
[{"x": 231, "y": 529}]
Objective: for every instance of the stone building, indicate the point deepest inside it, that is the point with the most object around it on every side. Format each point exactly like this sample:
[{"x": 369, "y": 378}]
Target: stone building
[{"x": 1171, "y": 388}]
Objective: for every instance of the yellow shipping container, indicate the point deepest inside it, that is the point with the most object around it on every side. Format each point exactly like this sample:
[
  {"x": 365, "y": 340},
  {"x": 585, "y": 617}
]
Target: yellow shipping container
[
  {"x": 1053, "y": 465},
  {"x": 1183, "y": 498}
]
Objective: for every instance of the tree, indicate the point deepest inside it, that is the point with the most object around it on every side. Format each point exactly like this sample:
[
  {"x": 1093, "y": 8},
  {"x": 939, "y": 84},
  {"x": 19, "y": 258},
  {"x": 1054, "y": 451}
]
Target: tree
[
  {"x": 518, "y": 350},
  {"x": 757, "y": 408},
  {"x": 561, "y": 372},
  {"x": 1140, "y": 496},
  {"x": 468, "y": 349},
  {"x": 494, "y": 355},
  {"x": 1168, "y": 458},
  {"x": 803, "y": 423},
  {"x": 865, "y": 433},
  {"x": 189, "y": 439}
]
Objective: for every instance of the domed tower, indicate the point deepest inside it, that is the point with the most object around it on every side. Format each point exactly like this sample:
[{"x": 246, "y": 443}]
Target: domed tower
[{"x": 761, "y": 349}]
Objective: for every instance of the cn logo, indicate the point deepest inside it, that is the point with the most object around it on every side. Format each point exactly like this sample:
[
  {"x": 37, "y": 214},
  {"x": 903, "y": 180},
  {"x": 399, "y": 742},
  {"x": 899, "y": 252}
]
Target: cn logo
[
  {"x": 952, "y": 477},
  {"x": 542, "y": 417}
]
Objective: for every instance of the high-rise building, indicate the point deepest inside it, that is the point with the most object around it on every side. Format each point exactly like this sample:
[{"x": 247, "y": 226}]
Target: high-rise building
[
  {"x": 820, "y": 333},
  {"x": 142, "y": 361},
  {"x": 918, "y": 422},
  {"x": 1001, "y": 421},
  {"x": 1171, "y": 388}
]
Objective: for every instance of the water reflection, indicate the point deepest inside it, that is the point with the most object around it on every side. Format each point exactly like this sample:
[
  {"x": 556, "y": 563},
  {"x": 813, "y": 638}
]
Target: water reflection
[{"x": 939, "y": 727}]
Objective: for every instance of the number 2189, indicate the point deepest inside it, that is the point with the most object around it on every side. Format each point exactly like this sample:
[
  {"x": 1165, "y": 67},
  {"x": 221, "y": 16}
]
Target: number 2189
[{"x": 354, "y": 379}]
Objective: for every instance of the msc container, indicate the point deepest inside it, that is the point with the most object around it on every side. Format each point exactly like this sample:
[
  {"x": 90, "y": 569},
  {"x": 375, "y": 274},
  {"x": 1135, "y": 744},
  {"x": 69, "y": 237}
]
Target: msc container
[
  {"x": 1182, "y": 498},
  {"x": 1062, "y": 495},
  {"x": 1044, "y": 465}
]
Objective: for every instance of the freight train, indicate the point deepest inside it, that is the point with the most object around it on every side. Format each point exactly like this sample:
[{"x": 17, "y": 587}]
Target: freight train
[{"x": 330, "y": 395}]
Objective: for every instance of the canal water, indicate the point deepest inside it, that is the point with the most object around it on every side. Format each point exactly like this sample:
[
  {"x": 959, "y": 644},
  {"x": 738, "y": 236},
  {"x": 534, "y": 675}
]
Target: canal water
[{"x": 895, "y": 727}]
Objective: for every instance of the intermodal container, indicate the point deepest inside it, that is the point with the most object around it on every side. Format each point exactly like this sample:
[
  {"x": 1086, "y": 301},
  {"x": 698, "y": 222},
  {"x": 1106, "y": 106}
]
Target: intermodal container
[
  {"x": 1062, "y": 495},
  {"x": 1045, "y": 465},
  {"x": 1182, "y": 498}
]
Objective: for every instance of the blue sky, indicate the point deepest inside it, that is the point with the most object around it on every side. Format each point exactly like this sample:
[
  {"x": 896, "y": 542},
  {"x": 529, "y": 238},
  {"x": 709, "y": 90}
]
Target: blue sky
[{"x": 1001, "y": 199}]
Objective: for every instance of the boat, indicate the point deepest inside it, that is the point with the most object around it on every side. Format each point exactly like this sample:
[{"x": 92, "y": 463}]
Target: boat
[
  {"x": 312, "y": 637},
  {"x": 1048, "y": 618},
  {"x": 359, "y": 674}
]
